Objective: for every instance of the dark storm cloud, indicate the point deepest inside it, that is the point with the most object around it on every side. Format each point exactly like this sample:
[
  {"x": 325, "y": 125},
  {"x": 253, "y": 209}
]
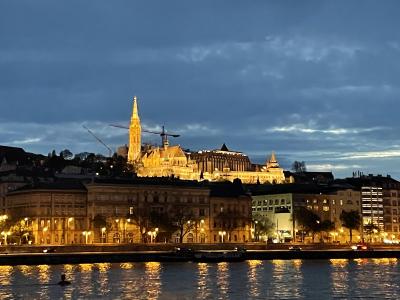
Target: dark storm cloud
[{"x": 313, "y": 80}]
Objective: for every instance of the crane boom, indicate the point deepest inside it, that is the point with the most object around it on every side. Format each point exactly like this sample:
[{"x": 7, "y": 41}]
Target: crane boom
[{"x": 99, "y": 140}]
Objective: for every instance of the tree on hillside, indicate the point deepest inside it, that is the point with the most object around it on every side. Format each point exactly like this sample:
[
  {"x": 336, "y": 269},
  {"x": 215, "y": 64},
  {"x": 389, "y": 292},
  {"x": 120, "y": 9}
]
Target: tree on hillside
[
  {"x": 66, "y": 154},
  {"x": 351, "y": 220},
  {"x": 299, "y": 167}
]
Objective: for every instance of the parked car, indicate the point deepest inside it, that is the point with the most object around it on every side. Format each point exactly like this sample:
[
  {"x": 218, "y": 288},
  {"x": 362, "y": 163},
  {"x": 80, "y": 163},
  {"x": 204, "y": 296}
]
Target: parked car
[{"x": 361, "y": 247}]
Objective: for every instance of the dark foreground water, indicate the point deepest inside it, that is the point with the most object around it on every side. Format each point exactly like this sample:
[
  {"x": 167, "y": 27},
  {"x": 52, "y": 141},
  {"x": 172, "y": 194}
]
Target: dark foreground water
[{"x": 278, "y": 279}]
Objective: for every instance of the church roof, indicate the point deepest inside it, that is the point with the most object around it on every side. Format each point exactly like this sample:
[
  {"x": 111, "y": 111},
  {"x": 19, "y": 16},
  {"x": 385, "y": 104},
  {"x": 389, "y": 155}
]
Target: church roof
[
  {"x": 224, "y": 148},
  {"x": 172, "y": 151}
]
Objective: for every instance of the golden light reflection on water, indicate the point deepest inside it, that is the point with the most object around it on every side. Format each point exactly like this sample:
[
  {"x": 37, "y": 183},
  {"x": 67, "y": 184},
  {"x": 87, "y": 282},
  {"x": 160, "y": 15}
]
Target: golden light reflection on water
[
  {"x": 339, "y": 277},
  {"x": 339, "y": 262},
  {"x": 297, "y": 263},
  {"x": 44, "y": 273},
  {"x": 86, "y": 268},
  {"x": 103, "y": 267},
  {"x": 223, "y": 279},
  {"x": 361, "y": 261},
  {"x": 103, "y": 277},
  {"x": 26, "y": 270},
  {"x": 153, "y": 280},
  {"x": 126, "y": 266},
  {"x": 287, "y": 278},
  {"x": 5, "y": 274},
  {"x": 254, "y": 282},
  {"x": 202, "y": 279},
  {"x": 384, "y": 261}
]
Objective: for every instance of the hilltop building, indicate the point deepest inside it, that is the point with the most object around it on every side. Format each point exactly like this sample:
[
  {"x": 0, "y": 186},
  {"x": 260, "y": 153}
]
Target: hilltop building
[{"x": 212, "y": 165}]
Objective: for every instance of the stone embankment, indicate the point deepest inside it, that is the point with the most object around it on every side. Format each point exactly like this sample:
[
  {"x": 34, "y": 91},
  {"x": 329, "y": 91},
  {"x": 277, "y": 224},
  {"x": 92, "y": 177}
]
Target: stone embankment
[{"x": 34, "y": 255}]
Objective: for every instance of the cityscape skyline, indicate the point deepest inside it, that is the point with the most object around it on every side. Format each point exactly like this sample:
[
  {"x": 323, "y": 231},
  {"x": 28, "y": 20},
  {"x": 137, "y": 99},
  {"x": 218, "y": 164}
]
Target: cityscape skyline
[{"x": 309, "y": 82}]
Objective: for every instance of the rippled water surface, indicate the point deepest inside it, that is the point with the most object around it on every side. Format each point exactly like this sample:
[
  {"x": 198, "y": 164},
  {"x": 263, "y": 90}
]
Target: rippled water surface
[{"x": 278, "y": 279}]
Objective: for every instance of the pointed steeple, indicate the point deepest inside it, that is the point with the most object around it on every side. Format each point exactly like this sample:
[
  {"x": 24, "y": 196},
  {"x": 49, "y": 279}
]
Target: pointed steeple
[
  {"x": 224, "y": 148},
  {"x": 135, "y": 114},
  {"x": 135, "y": 131},
  {"x": 272, "y": 162}
]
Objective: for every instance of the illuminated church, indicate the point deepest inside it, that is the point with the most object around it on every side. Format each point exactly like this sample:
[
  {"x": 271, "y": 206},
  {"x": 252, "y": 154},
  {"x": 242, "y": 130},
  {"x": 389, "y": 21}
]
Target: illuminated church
[{"x": 212, "y": 165}]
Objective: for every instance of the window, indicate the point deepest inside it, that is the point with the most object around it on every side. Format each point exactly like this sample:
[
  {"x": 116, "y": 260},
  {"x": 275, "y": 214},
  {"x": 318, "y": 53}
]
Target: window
[
  {"x": 333, "y": 201},
  {"x": 131, "y": 210},
  {"x": 325, "y": 208},
  {"x": 201, "y": 212},
  {"x": 341, "y": 202}
]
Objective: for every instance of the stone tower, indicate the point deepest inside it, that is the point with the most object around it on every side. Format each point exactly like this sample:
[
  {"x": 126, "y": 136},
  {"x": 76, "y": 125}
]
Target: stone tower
[{"x": 135, "y": 133}]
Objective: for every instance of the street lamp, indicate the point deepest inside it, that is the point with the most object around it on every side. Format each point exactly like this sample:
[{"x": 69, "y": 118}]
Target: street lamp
[
  {"x": 86, "y": 234},
  {"x": 103, "y": 233},
  {"x": 68, "y": 221},
  {"x": 5, "y": 234},
  {"x": 222, "y": 234},
  {"x": 45, "y": 229}
]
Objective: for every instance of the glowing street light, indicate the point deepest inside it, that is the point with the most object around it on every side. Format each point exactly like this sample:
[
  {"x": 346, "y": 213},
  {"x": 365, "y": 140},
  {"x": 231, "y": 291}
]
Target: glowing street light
[
  {"x": 68, "y": 221},
  {"x": 5, "y": 234},
  {"x": 222, "y": 234},
  {"x": 86, "y": 234},
  {"x": 103, "y": 234}
]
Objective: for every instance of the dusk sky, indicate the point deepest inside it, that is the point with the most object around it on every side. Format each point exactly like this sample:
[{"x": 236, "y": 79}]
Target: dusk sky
[{"x": 315, "y": 81}]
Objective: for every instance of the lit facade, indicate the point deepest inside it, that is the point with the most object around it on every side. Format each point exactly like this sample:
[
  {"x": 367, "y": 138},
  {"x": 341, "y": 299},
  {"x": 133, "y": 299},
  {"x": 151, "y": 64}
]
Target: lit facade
[
  {"x": 215, "y": 165},
  {"x": 125, "y": 212},
  {"x": 135, "y": 135}
]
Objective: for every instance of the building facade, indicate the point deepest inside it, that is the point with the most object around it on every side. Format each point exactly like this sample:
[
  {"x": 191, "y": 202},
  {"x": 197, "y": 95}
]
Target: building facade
[
  {"x": 120, "y": 211},
  {"x": 212, "y": 165}
]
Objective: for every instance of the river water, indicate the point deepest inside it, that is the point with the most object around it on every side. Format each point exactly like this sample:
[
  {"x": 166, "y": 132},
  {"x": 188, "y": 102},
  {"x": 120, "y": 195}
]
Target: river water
[{"x": 277, "y": 279}]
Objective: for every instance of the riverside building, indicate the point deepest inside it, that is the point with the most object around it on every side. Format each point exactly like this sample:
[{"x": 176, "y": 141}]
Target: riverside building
[{"x": 130, "y": 211}]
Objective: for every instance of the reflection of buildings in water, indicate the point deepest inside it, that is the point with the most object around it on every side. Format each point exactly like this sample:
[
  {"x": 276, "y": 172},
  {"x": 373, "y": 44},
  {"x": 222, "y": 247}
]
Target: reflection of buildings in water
[
  {"x": 103, "y": 280},
  {"x": 203, "y": 291},
  {"x": 126, "y": 266},
  {"x": 361, "y": 261},
  {"x": 44, "y": 273},
  {"x": 339, "y": 277},
  {"x": 339, "y": 262},
  {"x": 384, "y": 261},
  {"x": 252, "y": 276},
  {"x": 5, "y": 274},
  {"x": 26, "y": 270},
  {"x": 153, "y": 279},
  {"x": 223, "y": 279},
  {"x": 287, "y": 278},
  {"x": 87, "y": 274}
]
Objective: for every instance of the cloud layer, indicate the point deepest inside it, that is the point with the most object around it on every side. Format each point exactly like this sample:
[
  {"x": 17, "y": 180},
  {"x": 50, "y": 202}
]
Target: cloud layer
[{"x": 317, "y": 81}]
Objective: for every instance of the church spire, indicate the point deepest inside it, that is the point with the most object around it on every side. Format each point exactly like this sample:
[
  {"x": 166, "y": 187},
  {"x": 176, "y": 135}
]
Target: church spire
[
  {"x": 135, "y": 114},
  {"x": 272, "y": 162},
  {"x": 135, "y": 132}
]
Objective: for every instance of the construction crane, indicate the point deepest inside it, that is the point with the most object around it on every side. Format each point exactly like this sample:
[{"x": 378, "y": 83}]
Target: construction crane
[
  {"x": 164, "y": 135},
  {"x": 99, "y": 140}
]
